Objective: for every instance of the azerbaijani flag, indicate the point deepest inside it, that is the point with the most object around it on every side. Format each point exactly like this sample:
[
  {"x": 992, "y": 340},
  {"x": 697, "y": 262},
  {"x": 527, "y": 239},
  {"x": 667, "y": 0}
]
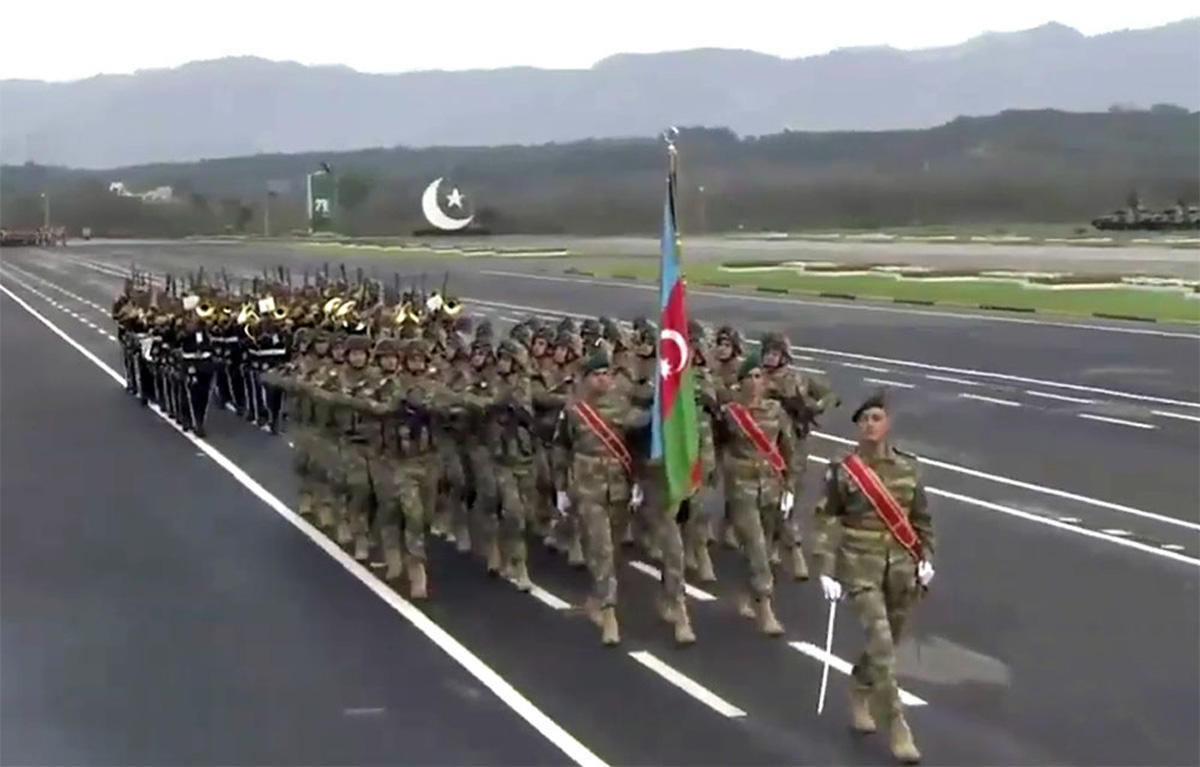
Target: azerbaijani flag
[{"x": 675, "y": 438}]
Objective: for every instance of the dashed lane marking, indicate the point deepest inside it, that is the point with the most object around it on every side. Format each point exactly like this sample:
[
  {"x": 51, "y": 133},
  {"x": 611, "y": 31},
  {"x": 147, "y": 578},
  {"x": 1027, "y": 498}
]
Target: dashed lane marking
[
  {"x": 698, "y": 594},
  {"x": 688, "y": 685},
  {"x": 992, "y": 400},
  {"x": 1059, "y": 397},
  {"x": 838, "y": 664},
  {"x": 1118, "y": 421},
  {"x": 1180, "y": 416},
  {"x": 546, "y": 598},
  {"x": 885, "y": 382},
  {"x": 871, "y": 368},
  {"x": 952, "y": 379},
  {"x": 521, "y": 705}
]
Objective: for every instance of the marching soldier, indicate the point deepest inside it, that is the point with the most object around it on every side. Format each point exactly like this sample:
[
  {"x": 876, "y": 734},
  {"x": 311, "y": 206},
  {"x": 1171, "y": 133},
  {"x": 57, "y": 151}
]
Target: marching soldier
[
  {"x": 485, "y": 507},
  {"x": 595, "y": 478},
  {"x": 759, "y": 456},
  {"x": 804, "y": 398},
  {"x": 696, "y": 524},
  {"x": 875, "y": 544},
  {"x": 195, "y": 370}
]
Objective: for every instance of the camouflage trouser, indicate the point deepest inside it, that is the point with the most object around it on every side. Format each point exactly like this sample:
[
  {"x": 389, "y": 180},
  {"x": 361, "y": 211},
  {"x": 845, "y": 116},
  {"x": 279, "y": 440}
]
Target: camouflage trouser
[
  {"x": 359, "y": 492},
  {"x": 485, "y": 507},
  {"x": 666, "y": 535},
  {"x": 880, "y": 579},
  {"x": 596, "y": 514},
  {"x": 749, "y": 503},
  {"x": 543, "y": 512},
  {"x": 400, "y": 486},
  {"x": 785, "y": 533},
  {"x": 450, "y": 501},
  {"x": 517, "y": 491}
]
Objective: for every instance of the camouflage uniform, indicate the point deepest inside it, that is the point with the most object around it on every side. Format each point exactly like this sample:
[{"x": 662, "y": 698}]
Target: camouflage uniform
[
  {"x": 754, "y": 489},
  {"x": 327, "y": 450},
  {"x": 696, "y": 523},
  {"x": 451, "y": 433},
  {"x": 289, "y": 378},
  {"x": 879, "y": 576},
  {"x": 485, "y": 503},
  {"x": 803, "y": 397},
  {"x": 598, "y": 486},
  {"x": 725, "y": 381},
  {"x": 509, "y": 436}
]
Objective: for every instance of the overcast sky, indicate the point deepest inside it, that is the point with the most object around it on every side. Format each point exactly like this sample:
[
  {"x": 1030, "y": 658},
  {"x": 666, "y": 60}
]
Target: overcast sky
[{"x": 71, "y": 40}]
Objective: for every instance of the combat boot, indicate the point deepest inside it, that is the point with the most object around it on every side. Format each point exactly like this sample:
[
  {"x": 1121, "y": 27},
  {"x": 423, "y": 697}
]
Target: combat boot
[
  {"x": 306, "y": 505},
  {"x": 731, "y": 541},
  {"x": 591, "y": 608},
  {"x": 704, "y": 566},
  {"x": 575, "y": 556},
  {"x": 744, "y": 606},
  {"x": 766, "y": 617},
  {"x": 462, "y": 538},
  {"x": 344, "y": 535},
  {"x": 395, "y": 564},
  {"x": 416, "y": 580},
  {"x": 519, "y": 573},
  {"x": 493, "y": 557},
  {"x": 776, "y": 558},
  {"x": 903, "y": 747},
  {"x": 683, "y": 626},
  {"x": 609, "y": 633},
  {"x": 325, "y": 516},
  {"x": 362, "y": 547},
  {"x": 799, "y": 565},
  {"x": 668, "y": 609},
  {"x": 689, "y": 558},
  {"x": 861, "y": 718}
]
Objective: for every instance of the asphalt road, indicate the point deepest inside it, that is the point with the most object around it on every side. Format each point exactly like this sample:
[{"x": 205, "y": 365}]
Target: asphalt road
[{"x": 1043, "y": 640}]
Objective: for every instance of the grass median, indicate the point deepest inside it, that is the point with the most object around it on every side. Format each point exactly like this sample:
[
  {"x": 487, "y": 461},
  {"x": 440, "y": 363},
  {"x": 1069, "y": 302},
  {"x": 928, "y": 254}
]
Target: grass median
[{"x": 1134, "y": 303}]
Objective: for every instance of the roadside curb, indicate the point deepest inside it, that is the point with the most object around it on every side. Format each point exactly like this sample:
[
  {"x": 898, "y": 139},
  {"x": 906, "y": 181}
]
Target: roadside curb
[{"x": 885, "y": 299}]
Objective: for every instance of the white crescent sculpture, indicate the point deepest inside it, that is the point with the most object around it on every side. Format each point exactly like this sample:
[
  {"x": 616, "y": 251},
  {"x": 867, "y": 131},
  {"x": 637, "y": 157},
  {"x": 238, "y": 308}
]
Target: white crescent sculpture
[
  {"x": 670, "y": 336},
  {"x": 433, "y": 211}
]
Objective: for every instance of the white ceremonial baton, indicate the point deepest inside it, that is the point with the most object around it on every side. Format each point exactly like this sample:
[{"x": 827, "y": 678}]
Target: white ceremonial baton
[{"x": 828, "y": 655}]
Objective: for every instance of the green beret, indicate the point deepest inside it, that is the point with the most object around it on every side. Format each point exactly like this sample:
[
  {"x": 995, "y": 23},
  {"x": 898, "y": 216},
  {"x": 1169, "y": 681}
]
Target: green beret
[
  {"x": 598, "y": 361},
  {"x": 876, "y": 400},
  {"x": 751, "y": 362}
]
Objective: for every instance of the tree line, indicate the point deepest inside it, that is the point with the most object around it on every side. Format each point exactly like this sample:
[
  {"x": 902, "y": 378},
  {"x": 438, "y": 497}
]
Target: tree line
[{"x": 1017, "y": 166}]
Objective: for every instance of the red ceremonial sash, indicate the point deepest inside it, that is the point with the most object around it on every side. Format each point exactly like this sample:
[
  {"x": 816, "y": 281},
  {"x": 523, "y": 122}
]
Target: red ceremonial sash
[
  {"x": 885, "y": 504},
  {"x": 755, "y": 434},
  {"x": 604, "y": 432}
]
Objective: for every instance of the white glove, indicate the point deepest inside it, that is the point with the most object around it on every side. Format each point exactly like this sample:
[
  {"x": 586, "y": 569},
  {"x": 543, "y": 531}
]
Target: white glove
[
  {"x": 562, "y": 502},
  {"x": 832, "y": 589},
  {"x": 924, "y": 572},
  {"x": 636, "y": 497},
  {"x": 786, "y": 503}
]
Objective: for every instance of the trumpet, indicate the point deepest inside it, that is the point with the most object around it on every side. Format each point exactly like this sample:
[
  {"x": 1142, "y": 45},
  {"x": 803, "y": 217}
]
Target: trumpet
[{"x": 205, "y": 310}]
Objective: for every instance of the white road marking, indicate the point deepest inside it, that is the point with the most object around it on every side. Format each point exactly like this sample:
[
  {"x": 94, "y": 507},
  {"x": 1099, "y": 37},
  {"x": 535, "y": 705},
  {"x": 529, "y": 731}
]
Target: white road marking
[
  {"x": 1063, "y": 526},
  {"x": 884, "y": 382},
  {"x": 1180, "y": 416},
  {"x": 927, "y": 366},
  {"x": 521, "y": 705},
  {"x": 1116, "y": 531},
  {"x": 1173, "y": 547},
  {"x": 993, "y": 400},
  {"x": 818, "y": 371},
  {"x": 1070, "y": 520},
  {"x": 1035, "y": 488},
  {"x": 838, "y": 664},
  {"x": 1118, "y": 421},
  {"x": 871, "y": 368},
  {"x": 546, "y": 598},
  {"x": 362, "y": 711},
  {"x": 1048, "y": 395},
  {"x": 693, "y": 592},
  {"x": 693, "y": 688}
]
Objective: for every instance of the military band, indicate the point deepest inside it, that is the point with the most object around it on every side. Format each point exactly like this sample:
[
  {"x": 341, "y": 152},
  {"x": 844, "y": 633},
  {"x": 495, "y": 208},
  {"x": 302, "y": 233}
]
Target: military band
[{"x": 406, "y": 418}]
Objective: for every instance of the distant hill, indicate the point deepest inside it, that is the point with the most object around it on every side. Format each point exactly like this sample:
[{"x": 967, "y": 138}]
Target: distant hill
[
  {"x": 1041, "y": 165},
  {"x": 243, "y": 106}
]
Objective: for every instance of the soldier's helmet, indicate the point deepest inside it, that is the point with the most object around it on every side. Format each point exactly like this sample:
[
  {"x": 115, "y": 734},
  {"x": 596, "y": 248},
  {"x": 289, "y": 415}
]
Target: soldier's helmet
[
  {"x": 697, "y": 332},
  {"x": 521, "y": 333},
  {"x": 385, "y": 347},
  {"x": 516, "y": 352},
  {"x": 358, "y": 343},
  {"x": 614, "y": 334},
  {"x": 778, "y": 342},
  {"x": 645, "y": 333},
  {"x": 302, "y": 339},
  {"x": 546, "y": 333},
  {"x": 569, "y": 340},
  {"x": 416, "y": 347},
  {"x": 730, "y": 334},
  {"x": 590, "y": 330},
  {"x": 484, "y": 332},
  {"x": 567, "y": 325}
]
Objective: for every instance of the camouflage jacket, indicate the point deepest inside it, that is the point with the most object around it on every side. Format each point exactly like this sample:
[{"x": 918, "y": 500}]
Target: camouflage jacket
[
  {"x": 845, "y": 505},
  {"x": 507, "y": 405},
  {"x": 741, "y": 459},
  {"x": 803, "y": 397},
  {"x": 583, "y": 465}
]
